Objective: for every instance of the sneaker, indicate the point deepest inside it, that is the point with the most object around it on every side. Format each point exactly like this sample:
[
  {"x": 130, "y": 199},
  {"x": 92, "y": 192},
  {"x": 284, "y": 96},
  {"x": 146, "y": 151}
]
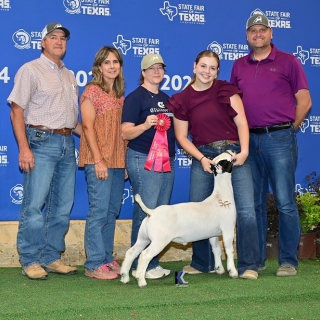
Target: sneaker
[
  {"x": 286, "y": 269},
  {"x": 35, "y": 272},
  {"x": 155, "y": 273},
  {"x": 190, "y": 270},
  {"x": 249, "y": 275},
  {"x": 114, "y": 266},
  {"x": 61, "y": 268},
  {"x": 101, "y": 273}
]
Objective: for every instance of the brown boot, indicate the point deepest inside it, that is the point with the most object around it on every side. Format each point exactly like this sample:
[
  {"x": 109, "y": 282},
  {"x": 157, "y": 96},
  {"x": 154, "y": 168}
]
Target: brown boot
[
  {"x": 35, "y": 272},
  {"x": 60, "y": 267}
]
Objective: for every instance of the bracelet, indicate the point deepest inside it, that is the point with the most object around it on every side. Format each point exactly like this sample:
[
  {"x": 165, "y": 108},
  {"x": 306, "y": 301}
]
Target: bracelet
[
  {"x": 98, "y": 161},
  {"x": 202, "y": 158}
]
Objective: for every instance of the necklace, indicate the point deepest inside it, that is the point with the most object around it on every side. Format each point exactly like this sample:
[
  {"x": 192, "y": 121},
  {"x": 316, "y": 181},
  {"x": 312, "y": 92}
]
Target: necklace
[{"x": 152, "y": 94}]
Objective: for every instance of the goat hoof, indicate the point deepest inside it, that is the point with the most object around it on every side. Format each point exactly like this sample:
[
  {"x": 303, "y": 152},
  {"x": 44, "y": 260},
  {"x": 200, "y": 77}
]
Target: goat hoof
[
  {"x": 233, "y": 274},
  {"x": 219, "y": 270},
  {"x": 125, "y": 279},
  {"x": 142, "y": 284}
]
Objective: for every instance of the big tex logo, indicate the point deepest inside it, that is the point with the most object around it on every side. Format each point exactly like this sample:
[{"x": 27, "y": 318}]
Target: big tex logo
[
  {"x": 26, "y": 40},
  {"x": 88, "y": 7},
  {"x": 187, "y": 13},
  {"x": 229, "y": 51},
  {"x": 277, "y": 19}
]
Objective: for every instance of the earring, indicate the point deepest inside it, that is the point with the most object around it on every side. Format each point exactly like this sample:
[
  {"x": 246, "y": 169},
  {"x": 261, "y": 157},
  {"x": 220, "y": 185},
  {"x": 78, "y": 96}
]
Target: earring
[
  {"x": 194, "y": 70},
  {"x": 101, "y": 74}
]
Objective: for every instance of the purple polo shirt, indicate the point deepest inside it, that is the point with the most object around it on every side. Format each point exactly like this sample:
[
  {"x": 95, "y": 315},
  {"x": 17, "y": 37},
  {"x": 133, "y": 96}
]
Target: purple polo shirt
[{"x": 269, "y": 86}]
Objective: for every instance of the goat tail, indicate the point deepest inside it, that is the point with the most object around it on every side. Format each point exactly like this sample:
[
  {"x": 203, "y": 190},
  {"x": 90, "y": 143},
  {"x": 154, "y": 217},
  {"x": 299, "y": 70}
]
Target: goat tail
[{"x": 142, "y": 205}]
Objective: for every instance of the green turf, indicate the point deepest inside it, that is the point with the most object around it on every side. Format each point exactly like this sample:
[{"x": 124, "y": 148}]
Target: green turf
[{"x": 208, "y": 296}]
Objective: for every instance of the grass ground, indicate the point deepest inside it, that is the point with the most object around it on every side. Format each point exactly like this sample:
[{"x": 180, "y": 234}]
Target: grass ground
[{"x": 208, "y": 296}]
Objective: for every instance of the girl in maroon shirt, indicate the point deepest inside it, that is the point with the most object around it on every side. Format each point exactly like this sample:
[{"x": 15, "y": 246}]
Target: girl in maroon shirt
[{"x": 212, "y": 112}]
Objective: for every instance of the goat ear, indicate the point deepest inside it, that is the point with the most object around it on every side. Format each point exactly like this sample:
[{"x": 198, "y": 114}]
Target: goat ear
[
  {"x": 213, "y": 168},
  {"x": 226, "y": 165},
  {"x": 229, "y": 167}
]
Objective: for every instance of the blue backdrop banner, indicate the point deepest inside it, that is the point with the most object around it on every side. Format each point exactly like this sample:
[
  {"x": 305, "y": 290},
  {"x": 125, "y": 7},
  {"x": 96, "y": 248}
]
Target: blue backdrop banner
[{"x": 178, "y": 30}]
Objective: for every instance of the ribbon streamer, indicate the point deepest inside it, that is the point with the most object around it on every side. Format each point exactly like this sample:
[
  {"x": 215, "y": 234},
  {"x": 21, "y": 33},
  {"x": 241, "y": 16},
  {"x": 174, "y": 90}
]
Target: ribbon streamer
[{"x": 158, "y": 153}]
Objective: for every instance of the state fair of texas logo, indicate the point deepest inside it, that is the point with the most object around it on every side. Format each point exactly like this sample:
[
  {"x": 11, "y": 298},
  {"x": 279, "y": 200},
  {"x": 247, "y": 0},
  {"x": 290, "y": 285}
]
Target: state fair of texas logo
[
  {"x": 88, "y": 7},
  {"x": 187, "y": 13},
  {"x": 312, "y": 55},
  {"x": 21, "y": 39},
  {"x": 122, "y": 44},
  {"x": 168, "y": 10},
  {"x": 302, "y": 55},
  {"x": 277, "y": 19},
  {"x": 304, "y": 125},
  {"x": 72, "y": 6},
  {"x": 140, "y": 46},
  {"x": 16, "y": 194}
]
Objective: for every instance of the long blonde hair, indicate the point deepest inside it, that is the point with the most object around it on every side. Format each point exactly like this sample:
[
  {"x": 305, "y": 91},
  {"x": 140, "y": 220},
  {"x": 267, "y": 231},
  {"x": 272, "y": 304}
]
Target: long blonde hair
[
  {"x": 118, "y": 85},
  {"x": 205, "y": 53}
]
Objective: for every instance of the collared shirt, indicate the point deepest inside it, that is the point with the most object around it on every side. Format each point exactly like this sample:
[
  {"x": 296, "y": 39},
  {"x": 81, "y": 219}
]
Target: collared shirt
[
  {"x": 269, "y": 86},
  {"x": 47, "y": 93}
]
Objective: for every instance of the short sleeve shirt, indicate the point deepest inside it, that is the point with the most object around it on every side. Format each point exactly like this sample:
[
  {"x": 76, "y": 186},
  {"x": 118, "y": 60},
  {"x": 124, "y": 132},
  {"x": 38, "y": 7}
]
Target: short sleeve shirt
[
  {"x": 138, "y": 105},
  {"x": 269, "y": 87},
  {"x": 47, "y": 93},
  {"x": 209, "y": 113},
  {"x": 107, "y": 128}
]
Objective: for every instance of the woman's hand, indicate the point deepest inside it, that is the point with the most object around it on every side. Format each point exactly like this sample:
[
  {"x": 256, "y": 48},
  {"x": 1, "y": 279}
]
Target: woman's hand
[
  {"x": 240, "y": 158},
  {"x": 206, "y": 164},
  {"x": 101, "y": 170},
  {"x": 151, "y": 121}
]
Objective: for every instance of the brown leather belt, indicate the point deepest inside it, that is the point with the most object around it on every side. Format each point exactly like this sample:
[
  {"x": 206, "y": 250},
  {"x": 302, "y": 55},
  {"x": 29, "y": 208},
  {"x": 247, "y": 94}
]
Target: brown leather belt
[
  {"x": 63, "y": 131},
  {"x": 221, "y": 143}
]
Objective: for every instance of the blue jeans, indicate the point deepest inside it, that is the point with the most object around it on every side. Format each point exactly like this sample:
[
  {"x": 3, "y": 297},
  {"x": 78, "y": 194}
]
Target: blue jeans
[
  {"x": 201, "y": 186},
  {"x": 105, "y": 198},
  {"x": 50, "y": 185},
  {"x": 155, "y": 189},
  {"x": 273, "y": 158}
]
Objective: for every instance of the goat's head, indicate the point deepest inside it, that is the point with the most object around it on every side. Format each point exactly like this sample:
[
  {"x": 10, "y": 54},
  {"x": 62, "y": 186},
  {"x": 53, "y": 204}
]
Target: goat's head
[{"x": 223, "y": 162}]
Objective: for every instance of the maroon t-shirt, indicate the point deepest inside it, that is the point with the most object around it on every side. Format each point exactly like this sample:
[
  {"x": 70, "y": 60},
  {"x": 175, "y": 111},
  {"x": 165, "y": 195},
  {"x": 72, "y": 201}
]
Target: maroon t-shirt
[{"x": 209, "y": 114}]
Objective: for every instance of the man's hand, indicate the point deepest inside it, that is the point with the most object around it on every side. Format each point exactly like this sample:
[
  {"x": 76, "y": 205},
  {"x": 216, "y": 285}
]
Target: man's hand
[{"x": 26, "y": 160}]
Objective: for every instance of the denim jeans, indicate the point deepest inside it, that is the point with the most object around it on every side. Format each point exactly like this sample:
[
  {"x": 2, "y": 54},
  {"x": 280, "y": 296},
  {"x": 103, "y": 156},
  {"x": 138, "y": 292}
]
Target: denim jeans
[
  {"x": 49, "y": 186},
  {"x": 105, "y": 197},
  {"x": 273, "y": 158},
  {"x": 201, "y": 186},
  {"x": 155, "y": 189}
]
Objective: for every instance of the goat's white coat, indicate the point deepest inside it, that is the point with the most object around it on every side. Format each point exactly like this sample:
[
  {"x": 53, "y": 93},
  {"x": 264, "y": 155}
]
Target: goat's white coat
[{"x": 187, "y": 222}]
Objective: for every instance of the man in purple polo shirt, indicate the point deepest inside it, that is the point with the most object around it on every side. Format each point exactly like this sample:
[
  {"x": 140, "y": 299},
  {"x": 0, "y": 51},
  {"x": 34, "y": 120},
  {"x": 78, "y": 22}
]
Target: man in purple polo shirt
[{"x": 276, "y": 100}]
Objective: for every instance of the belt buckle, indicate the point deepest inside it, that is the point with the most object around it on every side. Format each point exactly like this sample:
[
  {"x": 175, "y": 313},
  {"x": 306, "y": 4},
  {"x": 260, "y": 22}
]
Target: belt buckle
[{"x": 218, "y": 144}]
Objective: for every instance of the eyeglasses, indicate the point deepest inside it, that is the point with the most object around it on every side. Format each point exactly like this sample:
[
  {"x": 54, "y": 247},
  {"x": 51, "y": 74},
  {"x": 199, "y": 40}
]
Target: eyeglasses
[{"x": 154, "y": 69}]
